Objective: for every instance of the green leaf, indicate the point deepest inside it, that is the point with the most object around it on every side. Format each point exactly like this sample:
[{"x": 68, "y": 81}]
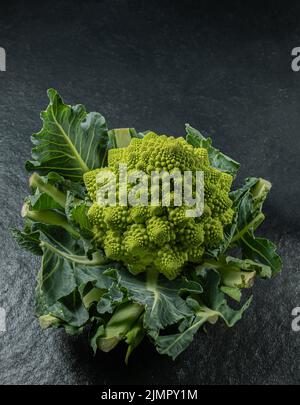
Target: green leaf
[
  {"x": 51, "y": 192},
  {"x": 262, "y": 270},
  {"x": 91, "y": 297},
  {"x": 65, "y": 185},
  {"x": 71, "y": 141},
  {"x": 47, "y": 194},
  {"x": 42, "y": 201},
  {"x": 173, "y": 345},
  {"x": 217, "y": 158},
  {"x": 247, "y": 204},
  {"x": 76, "y": 211},
  {"x": 161, "y": 298},
  {"x": 49, "y": 320},
  {"x": 252, "y": 194},
  {"x": 214, "y": 299},
  {"x": 28, "y": 240},
  {"x": 261, "y": 250},
  {"x": 97, "y": 332},
  {"x": 118, "y": 326},
  {"x": 68, "y": 282},
  {"x": 235, "y": 272},
  {"x": 65, "y": 267},
  {"x": 110, "y": 299},
  {"x": 70, "y": 310},
  {"x": 134, "y": 337},
  {"x": 121, "y": 137},
  {"x": 238, "y": 194},
  {"x": 213, "y": 305},
  {"x": 233, "y": 292}
]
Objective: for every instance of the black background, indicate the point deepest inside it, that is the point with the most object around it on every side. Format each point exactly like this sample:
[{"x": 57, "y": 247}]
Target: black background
[{"x": 225, "y": 69}]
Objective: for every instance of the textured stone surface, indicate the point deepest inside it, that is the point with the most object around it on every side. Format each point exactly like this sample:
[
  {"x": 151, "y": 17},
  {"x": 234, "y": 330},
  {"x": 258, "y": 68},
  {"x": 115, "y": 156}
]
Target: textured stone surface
[{"x": 225, "y": 71}]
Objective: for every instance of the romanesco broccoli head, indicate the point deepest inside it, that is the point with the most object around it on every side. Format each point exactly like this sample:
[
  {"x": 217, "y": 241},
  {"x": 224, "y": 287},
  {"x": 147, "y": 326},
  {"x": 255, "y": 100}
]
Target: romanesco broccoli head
[{"x": 144, "y": 237}]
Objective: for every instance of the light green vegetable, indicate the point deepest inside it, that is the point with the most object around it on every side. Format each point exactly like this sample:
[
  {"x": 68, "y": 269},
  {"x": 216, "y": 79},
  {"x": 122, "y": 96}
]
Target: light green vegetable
[
  {"x": 126, "y": 272},
  {"x": 165, "y": 239}
]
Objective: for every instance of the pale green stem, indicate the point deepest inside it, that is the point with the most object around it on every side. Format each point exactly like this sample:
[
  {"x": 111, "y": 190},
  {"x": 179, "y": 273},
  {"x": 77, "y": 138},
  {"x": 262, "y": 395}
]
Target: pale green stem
[
  {"x": 96, "y": 260},
  {"x": 36, "y": 181},
  {"x": 49, "y": 217},
  {"x": 252, "y": 225}
]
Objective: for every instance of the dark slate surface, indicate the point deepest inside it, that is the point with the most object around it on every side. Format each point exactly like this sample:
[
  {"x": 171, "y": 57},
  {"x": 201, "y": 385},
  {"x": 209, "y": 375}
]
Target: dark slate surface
[{"x": 156, "y": 65}]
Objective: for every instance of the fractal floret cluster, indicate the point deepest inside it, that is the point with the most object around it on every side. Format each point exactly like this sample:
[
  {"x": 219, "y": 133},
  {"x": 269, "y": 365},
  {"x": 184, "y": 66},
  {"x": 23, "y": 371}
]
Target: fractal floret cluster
[{"x": 160, "y": 237}]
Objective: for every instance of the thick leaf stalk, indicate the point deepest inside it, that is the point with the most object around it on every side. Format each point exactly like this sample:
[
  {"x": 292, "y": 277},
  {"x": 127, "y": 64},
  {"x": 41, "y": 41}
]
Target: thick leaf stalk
[{"x": 49, "y": 217}]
